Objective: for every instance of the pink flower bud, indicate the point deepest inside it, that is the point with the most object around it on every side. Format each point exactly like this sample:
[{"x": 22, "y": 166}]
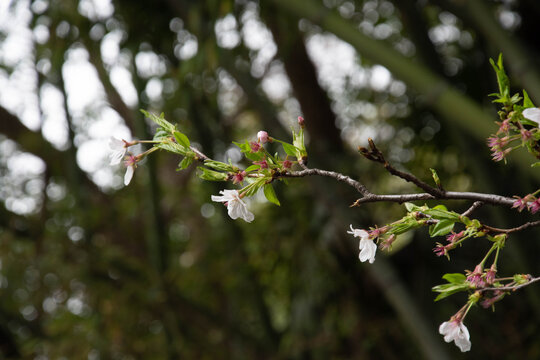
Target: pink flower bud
[
  {"x": 301, "y": 121},
  {"x": 239, "y": 177},
  {"x": 263, "y": 164},
  {"x": 255, "y": 146},
  {"x": 262, "y": 136},
  {"x": 287, "y": 164},
  {"x": 534, "y": 206},
  {"x": 475, "y": 278}
]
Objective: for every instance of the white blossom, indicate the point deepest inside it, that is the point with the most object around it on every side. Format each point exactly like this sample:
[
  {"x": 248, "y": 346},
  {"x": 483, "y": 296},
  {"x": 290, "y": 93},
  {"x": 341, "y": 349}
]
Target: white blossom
[
  {"x": 455, "y": 330},
  {"x": 532, "y": 114},
  {"x": 367, "y": 247},
  {"x": 131, "y": 165},
  {"x": 129, "y": 174},
  {"x": 118, "y": 150},
  {"x": 236, "y": 207}
]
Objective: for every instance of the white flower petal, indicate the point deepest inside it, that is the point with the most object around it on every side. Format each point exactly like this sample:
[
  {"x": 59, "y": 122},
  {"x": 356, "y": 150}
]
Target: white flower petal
[
  {"x": 118, "y": 150},
  {"x": 367, "y": 250},
  {"x": 358, "y": 233},
  {"x": 456, "y": 331},
  {"x": 116, "y": 144},
  {"x": 532, "y": 114},
  {"x": 116, "y": 157},
  {"x": 129, "y": 175},
  {"x": 236, "y": 208}
]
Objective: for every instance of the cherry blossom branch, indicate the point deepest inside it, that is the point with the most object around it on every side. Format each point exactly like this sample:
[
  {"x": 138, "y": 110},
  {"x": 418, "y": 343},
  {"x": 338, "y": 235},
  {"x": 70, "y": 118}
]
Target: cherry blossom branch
[{"x": 368, "y": 196}]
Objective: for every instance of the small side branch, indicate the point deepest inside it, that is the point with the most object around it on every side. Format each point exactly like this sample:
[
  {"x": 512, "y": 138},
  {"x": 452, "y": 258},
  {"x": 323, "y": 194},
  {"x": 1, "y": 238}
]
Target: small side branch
[
  {"x": 512, "y": 287},
  {"x": 473, "y": 207},
  {"x": 512, "y": 230},
  {"x": 374, "y": 154}
]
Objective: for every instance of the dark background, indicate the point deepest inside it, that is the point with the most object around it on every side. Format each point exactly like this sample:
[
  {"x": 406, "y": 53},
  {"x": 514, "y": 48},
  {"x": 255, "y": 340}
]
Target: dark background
[{"x": 92, "y": 270}]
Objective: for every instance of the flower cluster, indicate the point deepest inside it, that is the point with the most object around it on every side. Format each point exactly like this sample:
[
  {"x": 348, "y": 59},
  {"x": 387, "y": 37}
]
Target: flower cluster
[
  {"x": 522, "y": 128},
  {"x": 264, "y": 169},
  {"x": 528, "y": 201},
  {"x": 453, "y": 240}
]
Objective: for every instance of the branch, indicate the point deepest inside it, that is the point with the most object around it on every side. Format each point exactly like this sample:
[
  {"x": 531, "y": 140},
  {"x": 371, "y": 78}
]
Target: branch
[
  {"x": 369, "y": 197},
  {"x": 446, "y": 195}
]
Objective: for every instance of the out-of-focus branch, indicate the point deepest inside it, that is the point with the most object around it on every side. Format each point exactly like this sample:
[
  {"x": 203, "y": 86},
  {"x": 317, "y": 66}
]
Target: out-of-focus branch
[
  {"x": 115, "y": 100},
  {"x": 457, "y": 108},
  {"x": 482, "y": 18},
  {"x": 29, "y": 140},
  {"x": 301, "y": 71}
]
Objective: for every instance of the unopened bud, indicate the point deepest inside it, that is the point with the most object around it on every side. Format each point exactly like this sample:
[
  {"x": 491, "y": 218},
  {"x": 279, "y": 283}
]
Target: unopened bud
[
  {"x": 301, "y": 122},
  {"x": 262, "y": 136}
]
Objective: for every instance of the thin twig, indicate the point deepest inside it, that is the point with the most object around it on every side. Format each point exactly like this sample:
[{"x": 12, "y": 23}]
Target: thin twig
[
  {"x": 516, "y": 229},
  {"x": 374, "y": 154},
  {"x": 473, "y": 207},
  {"x": 513, "y": 287}
]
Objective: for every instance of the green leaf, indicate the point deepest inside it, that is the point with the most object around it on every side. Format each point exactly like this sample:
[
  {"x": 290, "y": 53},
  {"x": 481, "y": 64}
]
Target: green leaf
[
  {"x": 160, "y": 134},
  {"x": 411, "y": 207},
  {"x": 271, "y": 194},
  {"x": 186, "y": 161},
  {"x": 181, "y": 139},
  {"x": 536, "y": 164},
  {"x": 457, "y": 283},
  {"x": 436, "y": 178},
  {"x": 527, "y": 102},
  {"x": 160, "y": 121},
  {"x": 440, "y": 213},
  {"x": 502, "y": 78},
  {"x": 172, "y": 147},
  {"x": 455, "y": 278},
  {"x": 252, "y": 168},
  {"x": 254, "y": 156},
  {"x": 254, "y": 186},
  {"x": 289, "y": 149},
  {"x": 218, "y": 165},
  {"x": 211, "y": 175},
  {"x": 449, "y": 289},
  {"x": 298, "y": 142},
  {"x": 244, "y": 147},
  {"x": 441, "y": 228}
]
